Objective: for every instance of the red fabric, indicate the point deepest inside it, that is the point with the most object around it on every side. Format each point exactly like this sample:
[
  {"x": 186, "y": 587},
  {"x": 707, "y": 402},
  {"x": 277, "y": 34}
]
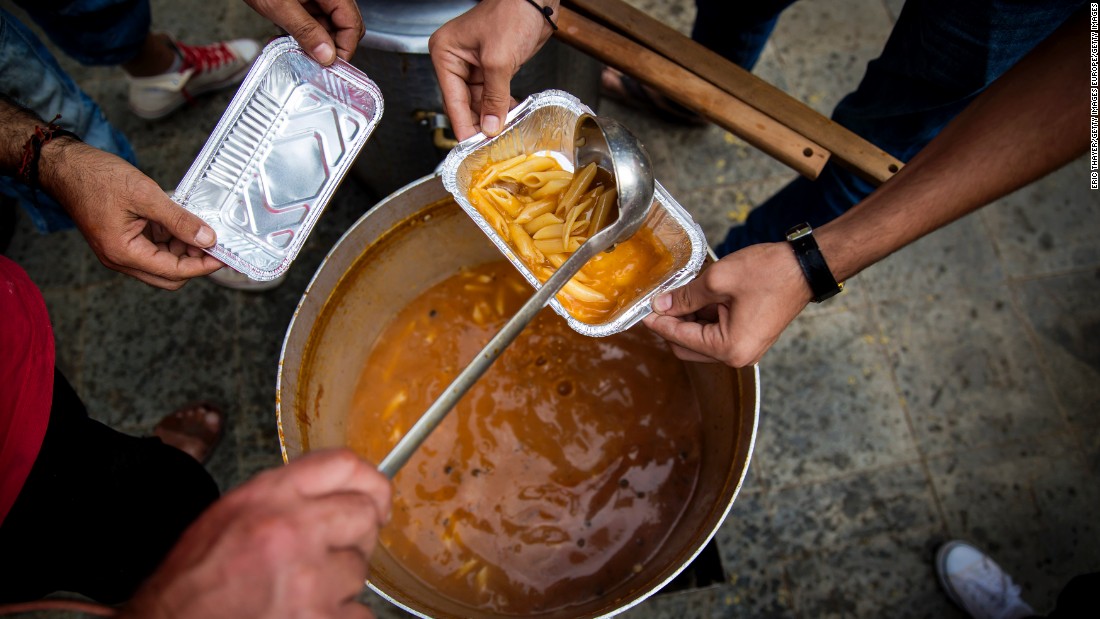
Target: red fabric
[{"x": 26, "y": 378}]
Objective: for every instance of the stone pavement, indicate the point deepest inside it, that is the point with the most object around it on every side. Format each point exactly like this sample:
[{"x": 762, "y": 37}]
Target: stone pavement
[{"x": 953, "y": 390}]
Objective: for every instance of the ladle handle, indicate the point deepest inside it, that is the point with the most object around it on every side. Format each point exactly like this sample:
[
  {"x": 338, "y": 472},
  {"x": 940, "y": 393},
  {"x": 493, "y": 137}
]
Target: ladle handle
[{"x": 416, "y": 435}]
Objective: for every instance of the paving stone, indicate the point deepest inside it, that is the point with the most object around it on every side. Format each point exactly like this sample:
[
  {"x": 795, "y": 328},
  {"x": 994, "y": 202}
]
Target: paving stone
[
  {"x": 829, "y": 406},
  {"x": 893, "y": 8},
  {"x": 746, "y": 535},
  {"x": 1048, "y": 226},
  {"x": 837, "y": 513},
  {"x": 809, "y": 27},
  {"x": 677, "y": 15},
  {"x": 147, "y": 351},
  {"x": 60, "y": 259},
  {"x": 959, "y": 256},
  {"x": 1024, "y": 503},
  {"x": 966, "y": 370},
  {"x": 717, "y": 208},
  {"x": 763, "y": 594},
  {"x": 671, "y": 606},
  {"x": 824, "y": 52},
  {"x": 1064, "y": 311},
  {"x": 1090, "y": 441},
  {"x": 890, "y": 575},
  {"x": 66, "y": 309}
]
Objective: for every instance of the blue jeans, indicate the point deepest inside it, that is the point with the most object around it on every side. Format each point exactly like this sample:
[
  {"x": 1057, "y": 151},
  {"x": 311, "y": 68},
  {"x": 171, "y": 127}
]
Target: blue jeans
[
  {"x": 940, "y": 55},
  {"x": 91, "y": 31}
]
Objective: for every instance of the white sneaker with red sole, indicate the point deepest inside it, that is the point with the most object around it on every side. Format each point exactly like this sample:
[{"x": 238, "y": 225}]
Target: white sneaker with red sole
[{"x": 204, "y": 68}]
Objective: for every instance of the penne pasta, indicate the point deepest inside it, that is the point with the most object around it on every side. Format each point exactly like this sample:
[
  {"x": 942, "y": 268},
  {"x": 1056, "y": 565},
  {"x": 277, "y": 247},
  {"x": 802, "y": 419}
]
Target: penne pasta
[
  {"x": 540, "y": 222},
  {"x": 535, "y": 209},
  {"x": 532, "y": 163},
  {"x": 601, "y": 214},
  {"x": 525, "y": 245},
  {"x": 551, "y": 188},
  {"x": 548, "y": 232},
  {"x": 497, "y": 221},
  {"x": 504, "y": 200},
  {"x": 545, "y": 213},
  {"x": 467, "y": 567},
  {"x": 549, "y": 246},
  {"x": 583, "y": 293},
  {"x": 575, "y": 212},
  {"x": 395, "y": 402},
  {"x": 534, "y": 180},
  {"x": 580, "y": 184},
  {"x": 490, "y": 174}
]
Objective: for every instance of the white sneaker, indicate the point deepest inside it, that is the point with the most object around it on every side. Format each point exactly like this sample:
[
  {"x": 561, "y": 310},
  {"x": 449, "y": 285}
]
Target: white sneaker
[
  {"x": 978, "y": 585},
  {"x": 204, "y": 68},
  {"x": 231, "y": 278}
]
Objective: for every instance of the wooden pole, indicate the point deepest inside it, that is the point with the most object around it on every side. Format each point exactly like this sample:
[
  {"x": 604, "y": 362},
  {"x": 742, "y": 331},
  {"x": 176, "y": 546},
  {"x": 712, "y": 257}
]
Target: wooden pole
[
  {"x": 847, "y": 148},
  {"x": 803, "y": 155}
]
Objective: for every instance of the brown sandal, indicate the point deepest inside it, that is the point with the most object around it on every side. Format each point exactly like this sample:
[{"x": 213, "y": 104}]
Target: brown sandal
[{"x": 194, "y": 429}]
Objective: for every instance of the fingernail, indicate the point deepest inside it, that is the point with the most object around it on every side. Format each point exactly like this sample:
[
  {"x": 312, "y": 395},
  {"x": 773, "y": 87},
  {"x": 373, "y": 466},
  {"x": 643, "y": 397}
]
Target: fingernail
[
  {"x": 662, "y": 303},
  {"x": 323, "y": 53},
  {"x": 205, "y": 237},
  {"x": 490, "y": 125}
]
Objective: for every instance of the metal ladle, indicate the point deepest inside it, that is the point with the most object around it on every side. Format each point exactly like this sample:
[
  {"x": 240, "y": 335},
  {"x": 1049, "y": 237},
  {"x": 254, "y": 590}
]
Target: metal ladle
[{"x": 613, "y": 148}]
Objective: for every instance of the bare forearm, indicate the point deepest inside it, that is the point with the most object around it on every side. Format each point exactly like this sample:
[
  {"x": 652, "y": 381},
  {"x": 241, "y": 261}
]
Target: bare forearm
[
  {"x": 1028, "y": 123},
  {"x": 16, "y": 125}
]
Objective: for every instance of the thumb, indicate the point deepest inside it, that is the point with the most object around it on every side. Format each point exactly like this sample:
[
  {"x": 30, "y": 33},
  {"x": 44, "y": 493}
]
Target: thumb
[
  {"x": 687, "y": 299},
  {"x": 180, "y": 222},
  {"x": 495, "y": 98},
  {"x": 308, "y": 32}
]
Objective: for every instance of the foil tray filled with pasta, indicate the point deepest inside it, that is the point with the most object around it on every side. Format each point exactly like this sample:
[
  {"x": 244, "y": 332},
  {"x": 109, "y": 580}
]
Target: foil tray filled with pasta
[
  {"x": 521, "y": 189},
  {"x": 278, "y": 153}
]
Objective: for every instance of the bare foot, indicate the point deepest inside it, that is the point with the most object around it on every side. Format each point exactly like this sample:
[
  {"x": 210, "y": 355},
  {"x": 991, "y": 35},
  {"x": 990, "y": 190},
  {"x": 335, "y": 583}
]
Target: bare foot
[{"x": 194, "y": 429}]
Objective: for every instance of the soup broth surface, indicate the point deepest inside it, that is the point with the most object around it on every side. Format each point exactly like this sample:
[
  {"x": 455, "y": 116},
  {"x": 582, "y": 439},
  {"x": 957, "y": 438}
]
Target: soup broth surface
[{"x": 557, "y": 476}]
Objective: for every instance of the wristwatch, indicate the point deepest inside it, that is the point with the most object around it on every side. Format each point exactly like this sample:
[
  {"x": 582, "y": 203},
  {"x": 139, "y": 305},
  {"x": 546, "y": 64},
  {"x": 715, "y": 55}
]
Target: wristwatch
[{"x": 821, "y": 280}]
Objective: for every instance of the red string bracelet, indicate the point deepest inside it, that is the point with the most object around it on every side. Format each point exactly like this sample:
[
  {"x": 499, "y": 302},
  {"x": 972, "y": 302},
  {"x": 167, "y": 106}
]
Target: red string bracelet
[
  {"x": 32, "y": 150},
  {"x": 546, "y": 12}
]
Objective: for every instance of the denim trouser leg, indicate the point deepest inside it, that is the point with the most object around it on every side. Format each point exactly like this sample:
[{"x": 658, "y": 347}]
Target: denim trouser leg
[
  {"x": 93, "y": 32},
  {"x": 32, "y": 77},
  {"x": 940, "y": 55},
  {"x": 736, "y": 29}
]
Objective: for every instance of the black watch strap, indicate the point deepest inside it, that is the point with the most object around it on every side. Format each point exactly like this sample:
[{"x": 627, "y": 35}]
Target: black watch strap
[{"x": 821, "y": 280}]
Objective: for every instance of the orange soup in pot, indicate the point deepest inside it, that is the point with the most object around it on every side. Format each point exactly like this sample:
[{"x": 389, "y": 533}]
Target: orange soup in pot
[{"x": 557, "y": 476}]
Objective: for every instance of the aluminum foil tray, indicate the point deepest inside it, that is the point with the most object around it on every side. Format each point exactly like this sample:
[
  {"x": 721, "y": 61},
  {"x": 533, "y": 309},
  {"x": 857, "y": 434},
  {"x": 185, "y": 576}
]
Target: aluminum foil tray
[
  {"x": 544, "y": 122},
  {"x": 276, "y": 156}
]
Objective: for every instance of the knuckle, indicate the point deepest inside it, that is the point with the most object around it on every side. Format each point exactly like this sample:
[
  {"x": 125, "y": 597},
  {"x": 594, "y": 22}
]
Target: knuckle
[
  {"x": 305, "y": 28},
  {"x": 181, "y": 219},
  {"x": 682, "y": 296},
  {"x": 271, "y": 534},
  {"x": 498, "y": 61},
  {"x": 346, "y": 458},
  {"x": 710, "y": 281},
  {"x": 739, "y": 356},
  {"x": 495, "y": 98}
]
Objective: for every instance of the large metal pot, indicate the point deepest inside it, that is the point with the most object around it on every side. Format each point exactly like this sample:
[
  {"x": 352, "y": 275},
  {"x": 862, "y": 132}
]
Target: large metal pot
[
  {"x": 410, "y": 241},
  {"x": 411, "y": 138}
]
